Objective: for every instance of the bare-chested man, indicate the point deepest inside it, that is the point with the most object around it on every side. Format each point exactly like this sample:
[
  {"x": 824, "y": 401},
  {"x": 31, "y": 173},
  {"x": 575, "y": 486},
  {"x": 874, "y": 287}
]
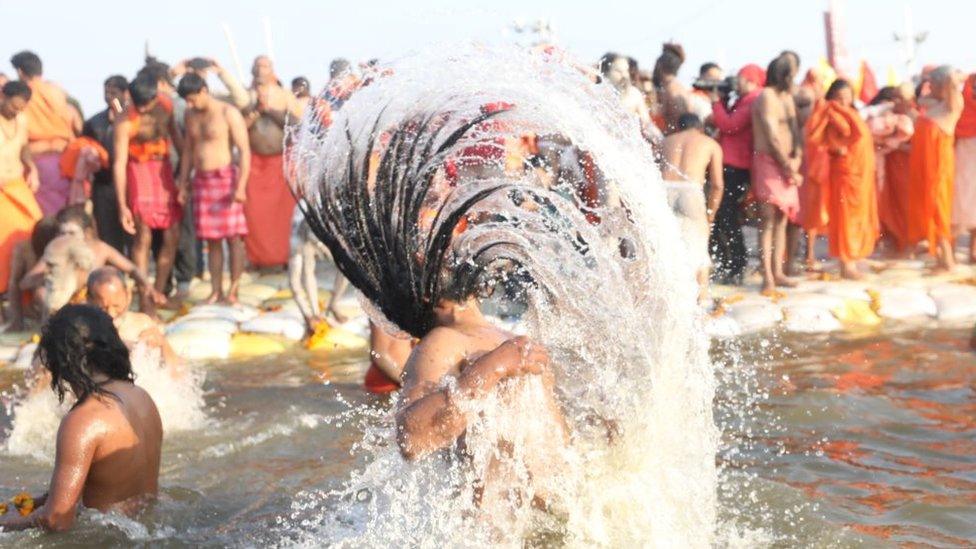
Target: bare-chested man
[
  {"x": 109, "y": 444},
  {"x": 108, "y": 291},
  {"x": 688, "y": 157},
  {"x": 219, "y": 189},
  {"x": 269, "y": 203},
  {"x": 671, "y": 93},
  {"x": 776, "y": 167},
  {"x": 144, "y": 136},
  {"x": 616, "y": 69},
  {"x": 483, "y": 359}
]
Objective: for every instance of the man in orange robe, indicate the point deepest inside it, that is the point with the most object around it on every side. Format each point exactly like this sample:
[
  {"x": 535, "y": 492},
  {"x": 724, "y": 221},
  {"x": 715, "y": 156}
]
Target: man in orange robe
[
  {"x": 18, "y": 209},
  {"x": 837, "y": 128},
  {"x": 51, "y": 124},
  {"x": 931, "y": 168},
  {"x": 896, "y": 147},
  {"x": 964, "y": 204},
  {"x": 814, "y": 214}
]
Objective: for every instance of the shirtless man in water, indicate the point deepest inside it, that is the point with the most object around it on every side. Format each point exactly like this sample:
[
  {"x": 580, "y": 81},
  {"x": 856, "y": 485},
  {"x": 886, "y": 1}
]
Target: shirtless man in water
[
  {"x": 483, "y": 359},
  {"x": 108, "y": 445},
  {"x": 688, "y": 157},
  {"x": 107, "y": 290}
]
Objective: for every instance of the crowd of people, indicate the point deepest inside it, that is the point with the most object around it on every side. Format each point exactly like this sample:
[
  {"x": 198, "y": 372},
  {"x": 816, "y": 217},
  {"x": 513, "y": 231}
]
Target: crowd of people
[
  {"x": 170, "y": 169},
  {"x": 869, "y": 169}
]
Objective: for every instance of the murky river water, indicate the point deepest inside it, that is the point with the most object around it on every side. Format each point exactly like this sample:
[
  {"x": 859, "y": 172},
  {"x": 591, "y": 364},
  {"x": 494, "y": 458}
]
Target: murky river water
[{"x": 828, "y": 441}]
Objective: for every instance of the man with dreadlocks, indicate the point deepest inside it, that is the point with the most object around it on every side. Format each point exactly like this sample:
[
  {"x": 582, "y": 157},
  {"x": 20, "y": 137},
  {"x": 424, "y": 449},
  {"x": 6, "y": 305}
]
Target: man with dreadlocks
[
  {"x": 399, "y": 233},
  {"x": 108, "y": 447}
]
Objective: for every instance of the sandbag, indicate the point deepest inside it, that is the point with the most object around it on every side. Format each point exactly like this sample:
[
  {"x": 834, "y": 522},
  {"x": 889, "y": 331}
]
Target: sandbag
[
  {"x": 846, "y": 290},
  {"x": 282, "y": 323},
  {"x": 899, "y": 303},
  {"x": 25, "y": 357},
  {"x": 8, "y": 353},
  {"x": 249, "y": 345},
  {"x": 337, "y": 339},
  {"x": 810, "y": 300},
  {"x": 810, "y": 320},
  {"x": 234, "y": 313},
  {"x": 257, "y": 290},
  {"x": 202, "y": 324},
  {"x": 754, "y": 315},
  {"x": 856, "y": 313},
  {"x": 954, "y": 301},
  {"x": 200, "y": 345}
]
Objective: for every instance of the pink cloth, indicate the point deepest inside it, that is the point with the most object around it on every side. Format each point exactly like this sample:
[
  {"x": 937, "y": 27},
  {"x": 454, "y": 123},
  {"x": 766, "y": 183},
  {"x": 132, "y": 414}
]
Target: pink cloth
[
  {"x": 735, "y": 131},
  {"x": 215, "y": 214},
  {"x": 152, "y": 195},
  {"x": 771, "y": 187},
  {"x": 52, "y": 195}
]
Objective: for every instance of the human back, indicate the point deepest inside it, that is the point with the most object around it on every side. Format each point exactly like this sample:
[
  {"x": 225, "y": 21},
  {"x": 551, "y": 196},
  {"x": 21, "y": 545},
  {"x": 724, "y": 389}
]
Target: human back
[
  {"x": 687, "y": 155},
  {"x": 125, "y": 464}
]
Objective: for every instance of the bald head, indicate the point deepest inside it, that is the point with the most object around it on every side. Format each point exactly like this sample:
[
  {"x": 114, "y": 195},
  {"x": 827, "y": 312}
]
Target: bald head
[
  {"x": 263, "y": 70},
  {"x": 107, "y": 291}
]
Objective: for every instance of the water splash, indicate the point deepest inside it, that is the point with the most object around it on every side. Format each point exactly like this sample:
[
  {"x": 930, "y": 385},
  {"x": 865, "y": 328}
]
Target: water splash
[
  {"x": 37, "y": 414},
  {"x": 565, "y": 211}
]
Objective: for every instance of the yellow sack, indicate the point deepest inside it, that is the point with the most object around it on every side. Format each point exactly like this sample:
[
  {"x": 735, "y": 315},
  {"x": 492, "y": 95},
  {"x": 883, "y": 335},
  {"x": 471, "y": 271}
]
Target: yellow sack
[{"x": 856, "y": 313}]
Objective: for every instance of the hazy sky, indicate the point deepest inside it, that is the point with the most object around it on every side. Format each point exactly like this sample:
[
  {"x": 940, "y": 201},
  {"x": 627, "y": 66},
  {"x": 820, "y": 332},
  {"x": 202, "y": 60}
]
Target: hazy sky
[{"x": 81, "y": 43}]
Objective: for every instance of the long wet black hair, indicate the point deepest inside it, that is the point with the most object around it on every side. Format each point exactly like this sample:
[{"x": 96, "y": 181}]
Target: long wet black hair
[
  {"x": 77, "y": 342},
  {"x": 374, "y": 231}
]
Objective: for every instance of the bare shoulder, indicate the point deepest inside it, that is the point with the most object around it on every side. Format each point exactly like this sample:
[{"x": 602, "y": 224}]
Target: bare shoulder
[{"x": 85, "y": 420}]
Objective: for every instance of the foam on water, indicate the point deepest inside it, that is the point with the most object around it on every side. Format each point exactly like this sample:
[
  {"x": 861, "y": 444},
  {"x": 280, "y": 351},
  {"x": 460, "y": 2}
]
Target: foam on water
[
  {"x": 179, "y": 399},
  {"x": 613, "y": 302}
]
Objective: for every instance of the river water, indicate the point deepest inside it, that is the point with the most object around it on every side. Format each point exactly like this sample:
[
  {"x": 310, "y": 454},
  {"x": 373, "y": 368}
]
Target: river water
[{"x": 832, "y": 441}]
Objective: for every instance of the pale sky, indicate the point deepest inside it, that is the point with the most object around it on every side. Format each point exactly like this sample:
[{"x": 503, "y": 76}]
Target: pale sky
[{"x": 81, "y": 43}]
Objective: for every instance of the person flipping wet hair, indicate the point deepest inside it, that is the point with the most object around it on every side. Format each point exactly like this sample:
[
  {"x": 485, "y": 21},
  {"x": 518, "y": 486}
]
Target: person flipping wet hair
[{"x": 108, "y": 447}]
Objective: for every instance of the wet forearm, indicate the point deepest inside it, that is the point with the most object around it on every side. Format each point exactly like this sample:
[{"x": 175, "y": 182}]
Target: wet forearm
[{"x": 435, "y": 421}]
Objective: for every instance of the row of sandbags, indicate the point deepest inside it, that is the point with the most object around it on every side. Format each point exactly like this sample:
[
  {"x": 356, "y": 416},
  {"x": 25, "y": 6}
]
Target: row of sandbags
[{"x": 821, "y": 307}]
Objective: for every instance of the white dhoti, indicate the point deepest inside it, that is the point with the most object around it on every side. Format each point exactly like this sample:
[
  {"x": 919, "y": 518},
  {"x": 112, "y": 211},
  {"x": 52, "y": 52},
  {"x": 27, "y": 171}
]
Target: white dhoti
[
  {"x": 687, "y": 200},
  {"x": 964, "y": 196}
]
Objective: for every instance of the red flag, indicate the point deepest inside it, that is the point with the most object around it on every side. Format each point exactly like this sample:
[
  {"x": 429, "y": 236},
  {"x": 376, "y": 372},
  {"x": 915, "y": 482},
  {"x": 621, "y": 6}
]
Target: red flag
[{"x": 869, "y": 85}]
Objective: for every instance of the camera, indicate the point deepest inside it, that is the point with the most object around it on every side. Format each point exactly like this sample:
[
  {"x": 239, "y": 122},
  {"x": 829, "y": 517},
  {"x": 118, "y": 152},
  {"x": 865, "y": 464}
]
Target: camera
[{"x": 723, "y": 86}]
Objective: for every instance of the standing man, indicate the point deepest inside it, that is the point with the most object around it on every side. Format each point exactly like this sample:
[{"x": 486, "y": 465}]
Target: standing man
[
  {"x": 218, "y": 188},
  {"x": 776, "y": 167},
  {"x": 269, "y": 204},
  {"x": 50, "y": 126},
  {"x": 674, "y": 96},
  {"x": 964, "y": 203},
  {"x": 734, "y": 126},
  {"x": 302, "y": 91},
  {"x": 147, "y": 195},
  {"x": 18, "y": 176},
  {"x": 690, "y": 158},
  {"x": 105, "y": 202},
  {"x": 931, "y": 168}
]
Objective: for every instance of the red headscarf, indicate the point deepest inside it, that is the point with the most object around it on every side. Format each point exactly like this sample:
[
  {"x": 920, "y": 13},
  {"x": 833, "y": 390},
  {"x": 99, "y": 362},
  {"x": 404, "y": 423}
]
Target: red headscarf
[{"x": 753, "y": 73}]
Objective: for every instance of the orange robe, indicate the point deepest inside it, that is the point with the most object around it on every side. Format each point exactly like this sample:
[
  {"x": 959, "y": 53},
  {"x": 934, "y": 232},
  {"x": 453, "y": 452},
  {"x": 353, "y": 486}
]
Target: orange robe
[
  {"x": 930, "y": 172},
  {"x": 268, "y": 210},
  {"x": 852, "y": 194},
  {"x": 814, "y": 210},
  {"x": 48, "y": 117},
  {"x": 19, "y": 212},
  {"x": 893, "y": 202}
]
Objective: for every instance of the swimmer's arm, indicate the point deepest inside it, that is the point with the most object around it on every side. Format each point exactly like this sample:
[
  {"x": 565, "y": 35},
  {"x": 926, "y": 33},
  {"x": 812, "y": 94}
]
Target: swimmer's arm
[
  {"x": 381, "y": 344},
  {"x": 77, "y": 441},
  {"x": 431, "y": 421}
]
